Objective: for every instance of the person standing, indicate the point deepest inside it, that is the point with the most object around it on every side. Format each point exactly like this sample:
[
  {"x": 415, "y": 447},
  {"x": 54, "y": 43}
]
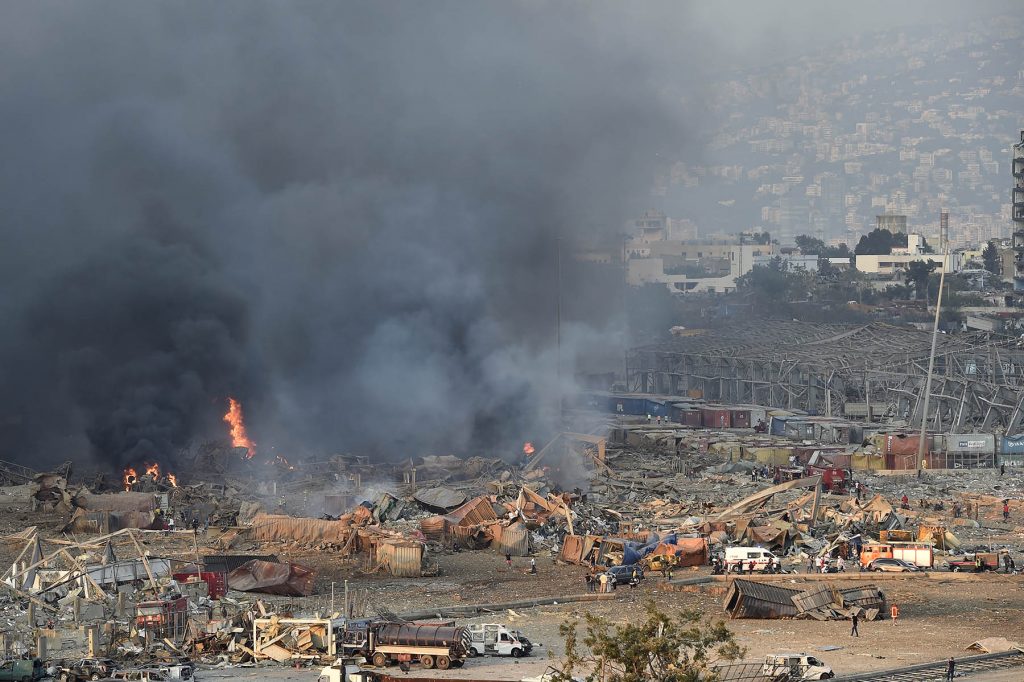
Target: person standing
[
  {"x": 589, "y": 580},
  {"x": 669, "y": 575},
  {"x": 810, "y": 563},
  {"x": 1002, "y": 470},
  {"x": 508, "y": 559},
  {"x": 950, "y": 669},
  {"x": 533, "y": 566},
  {"x": 853, "y": 630},
  {"x": 894, "y": 613},
  {"x": 604, "y": 582},
  {"x": 1006, "y": 510}
]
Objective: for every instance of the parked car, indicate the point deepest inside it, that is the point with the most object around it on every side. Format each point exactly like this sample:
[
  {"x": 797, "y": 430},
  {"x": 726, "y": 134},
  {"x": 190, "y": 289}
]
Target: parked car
[
  {"x": 22, "y": 670},
  {"x": 621, "y": 575},
  {"x": 87, "y": 669},
  {"x": 140, "y": 675},
  {"x": 893, "y": 566}
]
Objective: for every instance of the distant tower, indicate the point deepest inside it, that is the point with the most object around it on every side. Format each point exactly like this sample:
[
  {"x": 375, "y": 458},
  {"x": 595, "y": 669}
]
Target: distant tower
[
  {"x": 943, "y": 231},
  {"x": 897, "y": 224},
  {"x": 1017, "y": 212}
]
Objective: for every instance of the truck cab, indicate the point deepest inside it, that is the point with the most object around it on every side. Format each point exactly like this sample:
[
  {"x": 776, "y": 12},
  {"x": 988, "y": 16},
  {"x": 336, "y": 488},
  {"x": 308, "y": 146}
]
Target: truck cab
[
  {"x": 493, "y": 639},
  {"x": 795, "y": 667}
]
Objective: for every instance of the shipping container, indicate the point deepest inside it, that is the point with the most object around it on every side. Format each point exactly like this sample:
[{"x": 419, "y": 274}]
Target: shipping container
[
  {"x": 971, "y": 442},
  {"x": 1015, "y": 459},
  {"x": 627, "y": 405},
  {"x": 655, "y": 408},
  {"x": 716, "y": 418},
  {"x": 692, "y": 418},
  {"x": 799, "y": 430},
  {"x": 778, "y": 424},
  {"x": 404, "y": 559},
  {"x": 1012, "y": 445},
  {"x": 740, "y": 419}
]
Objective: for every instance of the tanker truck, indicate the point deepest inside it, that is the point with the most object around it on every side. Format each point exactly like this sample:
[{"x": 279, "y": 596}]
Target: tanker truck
[{"x": 385, "y": 643}]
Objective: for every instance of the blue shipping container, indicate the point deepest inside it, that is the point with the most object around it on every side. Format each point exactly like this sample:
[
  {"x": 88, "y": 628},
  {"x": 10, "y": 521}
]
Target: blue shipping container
[
  {"x": 778, "y": 426},
  {"x": 656, "y": 408},
  {"x": 1012, "y": 445},
  {"x": 624, "y": 405}
]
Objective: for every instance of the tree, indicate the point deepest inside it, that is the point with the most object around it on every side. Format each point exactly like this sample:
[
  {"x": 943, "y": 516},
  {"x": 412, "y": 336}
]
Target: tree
[
  {"x": 775, "y": 282},
  {"x": 879, "y": 242},
  {"x": 917, "y": 275},
  {"x": 991, "y": 258},
  {"x": 810, "y": 245},
  {"x": 658, "y": 647},
  {"x": 756, "y": 237}
]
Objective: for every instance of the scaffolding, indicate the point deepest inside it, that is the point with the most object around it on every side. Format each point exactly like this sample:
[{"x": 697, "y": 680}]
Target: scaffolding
[{"x": 837, "y": 369}]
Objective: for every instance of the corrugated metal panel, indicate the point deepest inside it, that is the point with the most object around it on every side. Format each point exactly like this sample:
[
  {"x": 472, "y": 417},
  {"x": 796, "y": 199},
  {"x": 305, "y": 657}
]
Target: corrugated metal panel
[
  {"x": 814, "y": 597},
  {"x": 404, "y": 559},
  {"x": 748, "y": 599},
  {"x": 1012, "y": 445},
  {"x": 971, "y": 442},
  {"x": 778, "y": 425},
  {"x": 514, "y": 540},
  {"x": 432, "y": 527},
  {"x": 275, "y": 527},
  {"x": 625, "y": 405},
  {"x": 716, "y": 418}
]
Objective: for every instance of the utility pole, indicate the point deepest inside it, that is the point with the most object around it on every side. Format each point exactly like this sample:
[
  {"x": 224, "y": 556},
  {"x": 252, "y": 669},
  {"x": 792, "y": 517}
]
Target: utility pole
[
  {"x": 558, "y": 327},
  {"x": 931, "y": 365}
]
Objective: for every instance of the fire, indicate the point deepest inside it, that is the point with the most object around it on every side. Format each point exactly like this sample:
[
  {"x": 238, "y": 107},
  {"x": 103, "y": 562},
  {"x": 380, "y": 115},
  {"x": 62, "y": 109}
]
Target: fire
[
  {"x": 528, "y": 448},
  {"x": 154, "y": 471},
  {"x": 239, "y": 437},
  {"x": 130, "y": 476},
  {"x": 173, "y": 480}
]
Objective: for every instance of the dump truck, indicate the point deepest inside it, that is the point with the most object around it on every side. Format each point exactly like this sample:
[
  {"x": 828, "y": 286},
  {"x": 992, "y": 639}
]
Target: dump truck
[
  {"x": 386, "y": 643},
  {"x": 493, "y": 639}
]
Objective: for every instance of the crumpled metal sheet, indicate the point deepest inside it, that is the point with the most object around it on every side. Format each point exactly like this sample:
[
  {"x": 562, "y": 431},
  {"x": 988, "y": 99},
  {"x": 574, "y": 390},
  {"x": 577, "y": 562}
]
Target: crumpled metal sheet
[{"x": 290, "y": 580}]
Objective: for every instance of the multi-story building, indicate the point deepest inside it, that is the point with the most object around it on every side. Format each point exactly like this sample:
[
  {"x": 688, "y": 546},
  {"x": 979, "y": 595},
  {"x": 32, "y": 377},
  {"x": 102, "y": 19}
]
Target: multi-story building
[
  {"x": 897, "y": 224},
  {"x": 1017, "y": 211}
]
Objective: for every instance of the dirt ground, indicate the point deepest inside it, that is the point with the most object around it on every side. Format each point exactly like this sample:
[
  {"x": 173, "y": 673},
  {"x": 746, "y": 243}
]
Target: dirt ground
[{"x": 940, "y": 616}]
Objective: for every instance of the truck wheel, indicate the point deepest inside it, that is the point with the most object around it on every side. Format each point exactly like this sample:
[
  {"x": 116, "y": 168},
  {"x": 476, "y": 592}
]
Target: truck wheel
[
  {"x": 380, "y": 660},
  {"x": 427, "y": 661},
  {"x": 443, "y": 662},
  {"x": 956, "y": 569},
  {"x": 516, "y": 653},
  {"x": 94, "y": 677}
]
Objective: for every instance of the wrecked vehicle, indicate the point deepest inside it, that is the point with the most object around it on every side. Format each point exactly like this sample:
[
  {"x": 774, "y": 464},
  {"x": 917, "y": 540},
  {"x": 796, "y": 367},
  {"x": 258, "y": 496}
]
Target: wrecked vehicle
[
  {"x": 492, "y": 639},
  {"x": 780, "y": 667},
  {"x": 22, "y": 670},
  {"x": 978, "y": 563},
  {"x": 621, "y": 575},
  {"x": 88, "y": 669}
]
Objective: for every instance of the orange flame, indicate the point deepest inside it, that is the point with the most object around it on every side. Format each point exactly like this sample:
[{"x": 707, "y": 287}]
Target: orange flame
[
  {"x": 153, "y": 470},
  {"x": 129, "y": 477},
  {"x": 239, "y": 437},
  {"x": 173, "y": 480},
  {"x": 528, "y": 448}
]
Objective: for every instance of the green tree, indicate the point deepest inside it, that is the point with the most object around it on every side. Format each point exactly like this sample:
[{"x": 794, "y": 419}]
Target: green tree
[
  {"x": 991, "y": 258},
  {"x": 879, "y": 242},
  {"x": 659, "y": 647},
  {"x": 810, "y": 245},
  {"x": 775, "y": 282},
  {"x": 917, "y": 274}
]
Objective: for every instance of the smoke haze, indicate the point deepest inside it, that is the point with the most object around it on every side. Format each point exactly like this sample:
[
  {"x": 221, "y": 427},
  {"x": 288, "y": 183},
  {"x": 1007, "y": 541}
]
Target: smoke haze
[{"x": 343, "y": 214}]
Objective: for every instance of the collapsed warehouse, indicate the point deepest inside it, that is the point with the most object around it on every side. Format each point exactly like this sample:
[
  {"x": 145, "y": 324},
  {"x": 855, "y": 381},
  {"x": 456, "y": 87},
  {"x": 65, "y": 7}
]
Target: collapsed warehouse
[{"x": 870, "y": 371}]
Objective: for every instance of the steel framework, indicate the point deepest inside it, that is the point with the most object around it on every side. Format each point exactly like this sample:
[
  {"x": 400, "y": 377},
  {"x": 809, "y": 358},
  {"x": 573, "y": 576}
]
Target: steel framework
[{"x": 822, "y": 368}]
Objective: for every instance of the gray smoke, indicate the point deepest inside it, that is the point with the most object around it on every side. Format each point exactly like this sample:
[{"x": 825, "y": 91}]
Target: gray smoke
[{"x": 345, "y": 215}]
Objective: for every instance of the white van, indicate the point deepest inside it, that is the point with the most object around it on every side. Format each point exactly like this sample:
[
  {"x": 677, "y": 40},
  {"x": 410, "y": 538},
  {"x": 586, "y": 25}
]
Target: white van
[{"x": 737, "y": 559}]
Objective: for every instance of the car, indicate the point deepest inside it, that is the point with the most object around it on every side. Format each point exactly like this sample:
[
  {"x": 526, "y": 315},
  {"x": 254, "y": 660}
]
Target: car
[
  {"x": 893, "y": 566},
  {"x": 88, "y": 669},
  {"x": 621, "y": 575}
]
